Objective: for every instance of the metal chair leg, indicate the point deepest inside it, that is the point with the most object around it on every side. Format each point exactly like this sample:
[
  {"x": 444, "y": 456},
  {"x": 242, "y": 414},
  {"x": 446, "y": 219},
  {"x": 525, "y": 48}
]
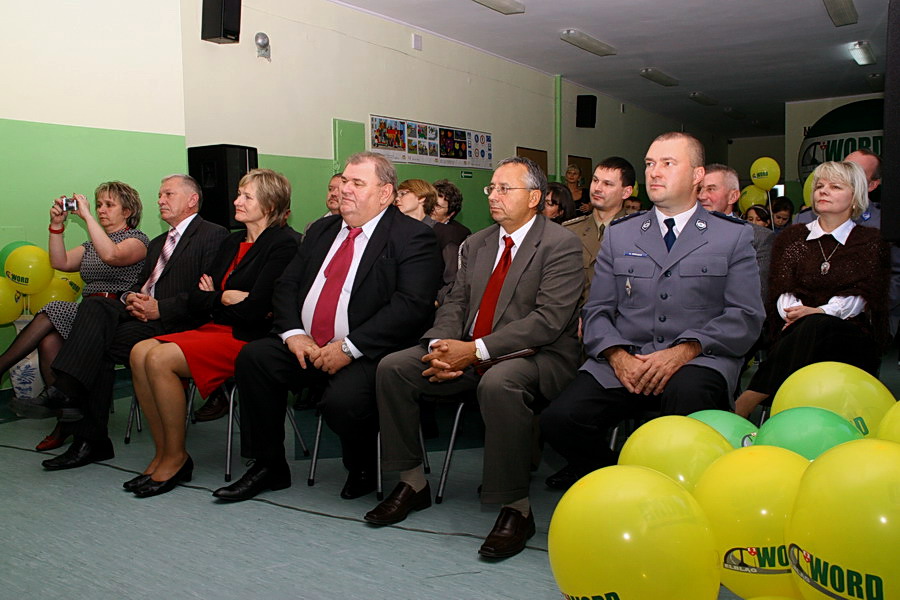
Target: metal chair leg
[
  {"x": 425, "y": 464},
  {"x": 290, "y": 416},
  {"x": 230, "y": 391},
  {"x": 439, "y": 497},
  {"x": 131, "y": 412},
  {"x": 189, "y": 417},
  {"x": 379, "y": 488},
  {"x": 311, "y": 480}
]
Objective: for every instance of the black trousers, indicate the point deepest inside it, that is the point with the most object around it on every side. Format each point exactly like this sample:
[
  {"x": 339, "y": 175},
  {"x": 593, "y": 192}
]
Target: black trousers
[
  {"x": 102, "y": 337},
  {"x": 577, "y": 422},
  {"x": 265, "y": 370}
]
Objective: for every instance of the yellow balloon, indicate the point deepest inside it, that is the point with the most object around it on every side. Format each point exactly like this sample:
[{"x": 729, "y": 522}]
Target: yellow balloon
[
  {"x": 28, "y": 269},
  {"x": 776, "y": 598},
  {"x": 629, "y": 532},
  {"x": 844, "y": 533},
  {"x": 751, "y": 195},
  {"x": 677, "y": 446},
  {"x": 11, "y": 303},
  {"x": 889, "y": 428},
  {"x": 808, "y": 190},
  {"x": 838, "y": 387},
  {"x": 765, "y": 173},
  {"x": 76, "y": 283},
  {"x": 748, "y": 495},
  {"x": 57, "y": 290}
]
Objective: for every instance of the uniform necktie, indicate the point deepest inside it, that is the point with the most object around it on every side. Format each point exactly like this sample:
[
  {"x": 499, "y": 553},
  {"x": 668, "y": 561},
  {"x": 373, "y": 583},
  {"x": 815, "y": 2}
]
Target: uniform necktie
[
  {"x": 485, "y": 320},
  {"x": 164, "y": 256},
  {"x": 669, "y": 238},
  {"x": 322, "y": 329}
]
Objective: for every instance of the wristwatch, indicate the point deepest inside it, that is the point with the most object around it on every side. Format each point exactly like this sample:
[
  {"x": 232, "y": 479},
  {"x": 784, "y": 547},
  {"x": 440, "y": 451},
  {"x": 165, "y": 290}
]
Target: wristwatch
[
  {"x": 478, "y": 353},
  {"x": 345, "y": 348}
]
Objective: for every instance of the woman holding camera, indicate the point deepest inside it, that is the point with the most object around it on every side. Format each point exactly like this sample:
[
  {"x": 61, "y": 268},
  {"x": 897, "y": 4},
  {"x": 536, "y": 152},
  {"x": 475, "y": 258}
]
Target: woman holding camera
[
  {"x": 109, "y": 263},
  {"x": 236, "y": 298}
]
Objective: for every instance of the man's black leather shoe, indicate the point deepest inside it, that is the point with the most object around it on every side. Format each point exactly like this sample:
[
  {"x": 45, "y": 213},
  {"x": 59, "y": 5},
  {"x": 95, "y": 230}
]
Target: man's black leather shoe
[
  {"x": 258, "y": 478},
  {"x": 565, "y": 477},
  {"x": 49, "y": 403},
  {"x": 509, "y": 534},
  {"x": 358, "y": 484},
  {"x": 81, "y": 452},
  {"x": 399, "y": 503}
]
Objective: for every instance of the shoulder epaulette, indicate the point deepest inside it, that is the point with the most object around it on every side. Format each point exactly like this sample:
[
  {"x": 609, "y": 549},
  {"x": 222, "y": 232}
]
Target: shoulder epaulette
[
  {"x": 626, "y": 217},
  {"x": 576, "y": 220},
  {"x": 716, "y": 213}
]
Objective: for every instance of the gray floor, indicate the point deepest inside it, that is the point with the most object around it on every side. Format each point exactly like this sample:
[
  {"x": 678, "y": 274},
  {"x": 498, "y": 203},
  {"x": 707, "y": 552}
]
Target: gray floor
[{"x": 78, "y": 534}]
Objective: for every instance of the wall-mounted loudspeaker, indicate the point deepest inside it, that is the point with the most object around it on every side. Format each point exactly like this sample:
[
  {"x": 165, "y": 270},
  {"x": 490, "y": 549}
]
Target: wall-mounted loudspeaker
[
  {"x": 221, "y": 21},
  {"x": 586, "y": 111},
  {"x": 218, "y": 169}
]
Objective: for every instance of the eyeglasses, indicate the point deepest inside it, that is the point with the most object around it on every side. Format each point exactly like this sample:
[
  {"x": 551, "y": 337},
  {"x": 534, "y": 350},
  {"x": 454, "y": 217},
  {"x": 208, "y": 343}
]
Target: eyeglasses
[{"x": 502, "y": 189}]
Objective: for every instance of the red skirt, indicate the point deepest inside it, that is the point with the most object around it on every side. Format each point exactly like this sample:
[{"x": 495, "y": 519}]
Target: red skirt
[{"x": 210, "y": 351}]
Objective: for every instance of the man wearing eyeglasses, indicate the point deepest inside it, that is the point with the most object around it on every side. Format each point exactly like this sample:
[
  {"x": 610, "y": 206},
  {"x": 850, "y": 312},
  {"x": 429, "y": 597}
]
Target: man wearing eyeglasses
[
  {"x": 507, "y": 330},
  {"x": 611, "y": 184}
]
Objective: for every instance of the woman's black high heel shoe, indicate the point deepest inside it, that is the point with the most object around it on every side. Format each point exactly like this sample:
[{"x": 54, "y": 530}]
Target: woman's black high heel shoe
[
  {"x": 136, "y": 482},
  {"x": 154, "y": 488}
]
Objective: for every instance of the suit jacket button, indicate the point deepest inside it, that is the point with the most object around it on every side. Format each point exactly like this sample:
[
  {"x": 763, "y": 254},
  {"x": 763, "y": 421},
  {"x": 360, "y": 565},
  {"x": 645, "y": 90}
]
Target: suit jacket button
[
  {"x": 668, "y": 273},
  {"x": 664, "y": 295},
  {"x": 631, "y": 270},
  {"x": 662, "y": 318},
  {"x": 703, "y": 270},
  {"x": 660, "y": 339}
]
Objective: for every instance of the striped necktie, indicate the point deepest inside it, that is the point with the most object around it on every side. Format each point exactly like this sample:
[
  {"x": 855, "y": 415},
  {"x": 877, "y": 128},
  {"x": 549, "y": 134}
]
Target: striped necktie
[{"x": 164, "y": 256}]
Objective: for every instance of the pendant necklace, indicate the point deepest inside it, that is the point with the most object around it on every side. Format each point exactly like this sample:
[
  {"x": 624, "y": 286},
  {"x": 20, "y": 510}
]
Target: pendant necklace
[{"x": 826, "y": 266}]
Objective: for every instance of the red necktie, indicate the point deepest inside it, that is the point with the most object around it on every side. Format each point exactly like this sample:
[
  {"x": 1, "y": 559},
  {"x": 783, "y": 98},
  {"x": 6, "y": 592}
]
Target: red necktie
[
  {"x": 485, "y": 320},
  {"x": 322, "y": 329}
]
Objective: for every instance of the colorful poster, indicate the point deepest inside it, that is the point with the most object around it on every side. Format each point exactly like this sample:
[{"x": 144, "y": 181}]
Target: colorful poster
[{"x": 427, "y": 143}]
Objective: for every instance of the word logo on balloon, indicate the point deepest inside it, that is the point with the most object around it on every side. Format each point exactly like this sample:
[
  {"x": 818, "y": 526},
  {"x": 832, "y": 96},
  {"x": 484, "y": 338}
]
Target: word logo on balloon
[
  {"x": 20, "y": 279},
  {"x": 760, "y": 561},
  {"x": 609, "y": 596},
  {"x": 834, "y": 580}
]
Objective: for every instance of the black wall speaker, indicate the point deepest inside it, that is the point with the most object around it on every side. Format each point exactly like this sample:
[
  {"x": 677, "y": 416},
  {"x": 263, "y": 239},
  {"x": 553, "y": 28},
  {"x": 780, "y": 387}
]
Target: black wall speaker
[
  {"x": 586, "y": 111},
  {"x": 221, "y": 21},
  {"x": 218, "y": 169},
  {"x": 890, "y": 156}
]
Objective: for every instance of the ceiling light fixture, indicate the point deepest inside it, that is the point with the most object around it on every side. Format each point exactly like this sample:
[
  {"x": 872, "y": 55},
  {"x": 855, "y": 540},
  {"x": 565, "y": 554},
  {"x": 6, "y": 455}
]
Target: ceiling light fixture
[
  {"x": 507, "y": 7},
  {"x": 657, "y": 76},
  {"x": 862, "y": 53},
  {"x": 701, "y": 98},
  {"x": 586, "y": 42},
  {"x": 842, "y": 12},
  {"x": 875, "y": 81},
  {"x": 734, "y": 114}
]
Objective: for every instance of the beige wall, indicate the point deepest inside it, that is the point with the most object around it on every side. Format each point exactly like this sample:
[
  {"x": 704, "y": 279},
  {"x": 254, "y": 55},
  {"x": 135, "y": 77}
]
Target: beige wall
[
  {"x": 113, "y": 64},
  {"x": 798, "y": 116},
  {"x": 743, "y": 151}
]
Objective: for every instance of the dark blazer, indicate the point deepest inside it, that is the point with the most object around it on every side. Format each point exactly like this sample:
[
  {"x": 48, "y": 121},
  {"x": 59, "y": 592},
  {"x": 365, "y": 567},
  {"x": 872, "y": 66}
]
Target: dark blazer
[
  {"x": 264, "y": 262},
  {"x": 451, "y": 232},
  {"x": 538, "y": 302},
  {"x": 193, "y": 256},
  {"x": 392, "y": 299}
]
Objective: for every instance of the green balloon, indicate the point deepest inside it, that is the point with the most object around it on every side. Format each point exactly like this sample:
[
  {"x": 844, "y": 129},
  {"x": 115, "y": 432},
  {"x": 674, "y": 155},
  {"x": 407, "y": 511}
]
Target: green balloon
[
  {"x": 807, "y": 430},
  {"x": 6, "y": 251},
  {"x": 732, "y": 427}
]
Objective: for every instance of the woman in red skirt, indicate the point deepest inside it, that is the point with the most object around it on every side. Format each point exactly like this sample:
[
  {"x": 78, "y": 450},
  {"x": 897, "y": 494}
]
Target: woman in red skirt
[{"x": 236, "y": 296}]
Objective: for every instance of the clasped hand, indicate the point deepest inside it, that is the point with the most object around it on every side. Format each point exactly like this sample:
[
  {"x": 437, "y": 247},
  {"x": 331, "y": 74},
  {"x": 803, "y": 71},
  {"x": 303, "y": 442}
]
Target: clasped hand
[
  {"x": 794, "y": 313},
  {"x": 648, "y": 374},
  {"x": 142, "y": 307},
  {"x": 329, "y": 358},
  {"x": 447, "y": 359}
]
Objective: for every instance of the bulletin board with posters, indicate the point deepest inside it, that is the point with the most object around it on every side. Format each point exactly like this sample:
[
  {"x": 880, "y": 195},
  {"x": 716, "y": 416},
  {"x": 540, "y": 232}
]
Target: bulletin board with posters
[{"x": 430, "y": 144}]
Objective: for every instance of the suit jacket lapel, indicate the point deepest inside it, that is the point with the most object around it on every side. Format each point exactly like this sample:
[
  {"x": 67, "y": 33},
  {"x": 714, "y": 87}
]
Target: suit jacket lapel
[
  {"x": 183, "y": 242},
  {"x": 650, "y": 240},
  {"x": 317, "y": 255},
  {"x": 376, "y": 244},
  {"x": 690, "y": 238},
  {"x": 481, "y": 271}
]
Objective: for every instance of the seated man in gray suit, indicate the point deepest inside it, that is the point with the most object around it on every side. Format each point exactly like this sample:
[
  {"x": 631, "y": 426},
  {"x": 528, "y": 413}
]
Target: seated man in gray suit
[
  {"x": 719, "y": 192},
  {"x": 673, "y": 308},
  {"x": 513, "y": 306}
]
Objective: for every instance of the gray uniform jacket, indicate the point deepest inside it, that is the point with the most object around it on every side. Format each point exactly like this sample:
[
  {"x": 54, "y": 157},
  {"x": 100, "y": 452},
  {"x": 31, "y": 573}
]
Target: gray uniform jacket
[{"x": 645, "y": 299}]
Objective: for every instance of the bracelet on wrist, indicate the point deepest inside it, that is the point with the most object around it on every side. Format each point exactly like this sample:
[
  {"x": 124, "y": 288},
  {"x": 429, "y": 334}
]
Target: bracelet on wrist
[{"x": 60, "y": 230}]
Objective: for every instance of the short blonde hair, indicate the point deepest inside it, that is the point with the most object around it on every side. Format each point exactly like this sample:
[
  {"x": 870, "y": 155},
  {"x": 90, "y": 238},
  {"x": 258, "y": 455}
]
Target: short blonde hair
[
  {"x": 273, "y": 192},
  {"x": 128, "y": 198},
  {"x": 850, "y": 174}
]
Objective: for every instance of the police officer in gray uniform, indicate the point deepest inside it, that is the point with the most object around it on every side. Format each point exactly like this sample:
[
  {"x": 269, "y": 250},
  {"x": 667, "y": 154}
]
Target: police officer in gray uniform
[{"x": 674, "y": 306}]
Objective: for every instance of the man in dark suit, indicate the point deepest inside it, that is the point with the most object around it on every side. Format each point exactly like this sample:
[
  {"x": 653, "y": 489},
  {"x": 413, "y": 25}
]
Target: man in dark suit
[
  {"x": 106, "y": 328},
  {"x": 362, "y": 285},
  {"x": 674, "y": 306},
  {"x": 516, "y": 294},
  {"x": 719, "y": 192}
]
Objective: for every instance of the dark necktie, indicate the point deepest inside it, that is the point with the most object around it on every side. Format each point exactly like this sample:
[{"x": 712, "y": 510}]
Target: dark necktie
[
  {"x": 485, "y": 320},
  {"x": 164, "y": 256},
  {"x": 669, "y": 238},
  {"x": 322, "y": 329}
]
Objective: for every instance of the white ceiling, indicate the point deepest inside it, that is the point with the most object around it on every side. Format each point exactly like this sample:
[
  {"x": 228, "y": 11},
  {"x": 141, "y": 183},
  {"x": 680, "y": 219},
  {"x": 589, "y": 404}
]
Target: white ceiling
[{"x": 752, "y": 55}]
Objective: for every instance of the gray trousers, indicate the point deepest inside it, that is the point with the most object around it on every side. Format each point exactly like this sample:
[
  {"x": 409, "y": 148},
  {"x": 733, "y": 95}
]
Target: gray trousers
[{"x": 505, "y": 395}]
